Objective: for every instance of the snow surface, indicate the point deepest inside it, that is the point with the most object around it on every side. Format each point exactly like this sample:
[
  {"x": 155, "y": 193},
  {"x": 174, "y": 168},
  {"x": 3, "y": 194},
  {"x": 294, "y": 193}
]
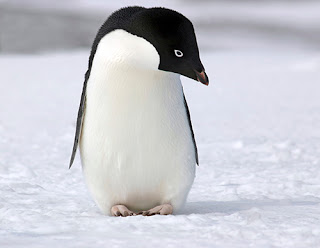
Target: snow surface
[
  {"x": 258, "y": 132},
  {"x": 279, "y": 12},
  {"x": 223, "y": 24}
]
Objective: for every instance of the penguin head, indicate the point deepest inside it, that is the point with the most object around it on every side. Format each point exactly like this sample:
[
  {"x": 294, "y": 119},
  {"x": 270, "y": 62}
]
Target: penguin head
[{"x": 173, "y": 36}]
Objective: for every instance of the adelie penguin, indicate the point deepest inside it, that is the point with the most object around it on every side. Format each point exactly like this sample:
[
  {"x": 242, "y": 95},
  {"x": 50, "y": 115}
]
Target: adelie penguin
[{"x": 137, "y": 146}]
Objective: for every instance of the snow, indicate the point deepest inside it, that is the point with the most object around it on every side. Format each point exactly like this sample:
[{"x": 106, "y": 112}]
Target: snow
[
  {"x": 258, "y": 130},
  {"x": 293, "y": 14},
  {"x": 222, "y": 24}
]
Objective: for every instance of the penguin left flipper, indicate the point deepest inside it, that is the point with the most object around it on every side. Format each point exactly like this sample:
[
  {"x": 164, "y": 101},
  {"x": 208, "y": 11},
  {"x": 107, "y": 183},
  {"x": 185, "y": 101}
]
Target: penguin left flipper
[
  {"x": 191, "y": 129},
  {"x": 81, "y": 112}
]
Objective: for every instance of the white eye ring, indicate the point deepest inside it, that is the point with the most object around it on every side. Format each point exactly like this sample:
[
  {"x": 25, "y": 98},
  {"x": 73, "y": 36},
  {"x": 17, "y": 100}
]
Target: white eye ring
[{"x": 178, "y": 53}]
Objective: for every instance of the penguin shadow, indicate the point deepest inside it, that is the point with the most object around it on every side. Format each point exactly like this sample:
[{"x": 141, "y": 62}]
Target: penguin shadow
[{"x": 229, "y": 207}]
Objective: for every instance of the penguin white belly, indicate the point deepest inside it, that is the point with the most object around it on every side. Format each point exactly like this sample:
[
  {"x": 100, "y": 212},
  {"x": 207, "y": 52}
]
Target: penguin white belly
[{"x": 136, "y": 144}]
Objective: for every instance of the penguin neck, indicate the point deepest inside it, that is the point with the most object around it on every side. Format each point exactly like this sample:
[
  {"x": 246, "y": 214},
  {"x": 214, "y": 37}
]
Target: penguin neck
[{"x": 124, "y": 60}]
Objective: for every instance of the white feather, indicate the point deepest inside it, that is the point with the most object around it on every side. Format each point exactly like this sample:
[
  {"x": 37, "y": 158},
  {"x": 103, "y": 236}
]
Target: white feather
[{"x": 136, "y": 145}]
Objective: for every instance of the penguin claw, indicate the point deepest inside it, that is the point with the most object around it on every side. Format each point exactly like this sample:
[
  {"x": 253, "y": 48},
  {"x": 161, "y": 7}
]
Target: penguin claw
[
  {"x": 163, "y": 209},
  {"x": 121, "y": 210},
  {"x": 145, "y": 213}
]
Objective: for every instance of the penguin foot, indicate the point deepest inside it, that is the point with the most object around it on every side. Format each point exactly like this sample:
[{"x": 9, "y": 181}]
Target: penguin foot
[
  {"x": 121, "y": 210},
  {"x": 163, "y": 209}
]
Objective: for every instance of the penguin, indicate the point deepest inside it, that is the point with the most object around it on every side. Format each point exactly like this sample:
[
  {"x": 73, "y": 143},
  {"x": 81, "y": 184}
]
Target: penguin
[{"x": 137, "y": 146}]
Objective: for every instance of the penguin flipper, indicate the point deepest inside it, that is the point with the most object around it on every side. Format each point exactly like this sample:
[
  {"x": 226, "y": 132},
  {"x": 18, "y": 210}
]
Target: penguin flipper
[
  {"x": 192, "y": 134},
  {"x": 81, "y": 113},
  {"x": 114, "y": 21}
]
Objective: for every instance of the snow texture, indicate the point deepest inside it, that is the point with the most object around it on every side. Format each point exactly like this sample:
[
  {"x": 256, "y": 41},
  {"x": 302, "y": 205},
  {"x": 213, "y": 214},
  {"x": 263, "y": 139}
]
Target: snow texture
[{"x": 258, "y": 131}]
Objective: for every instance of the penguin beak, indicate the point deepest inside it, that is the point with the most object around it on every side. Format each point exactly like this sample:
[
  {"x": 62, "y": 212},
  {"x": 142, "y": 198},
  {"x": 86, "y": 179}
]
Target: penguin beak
[{"x": 202, "y": 77}]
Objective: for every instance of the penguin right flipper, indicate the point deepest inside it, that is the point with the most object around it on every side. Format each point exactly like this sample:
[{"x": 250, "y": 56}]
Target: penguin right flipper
[
  {"x": 81, "y": 112},
  {"x": 115, "y": 21}
]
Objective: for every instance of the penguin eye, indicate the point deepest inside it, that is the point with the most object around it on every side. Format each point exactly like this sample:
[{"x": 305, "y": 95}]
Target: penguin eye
[{"x": 178, "y": 53}]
